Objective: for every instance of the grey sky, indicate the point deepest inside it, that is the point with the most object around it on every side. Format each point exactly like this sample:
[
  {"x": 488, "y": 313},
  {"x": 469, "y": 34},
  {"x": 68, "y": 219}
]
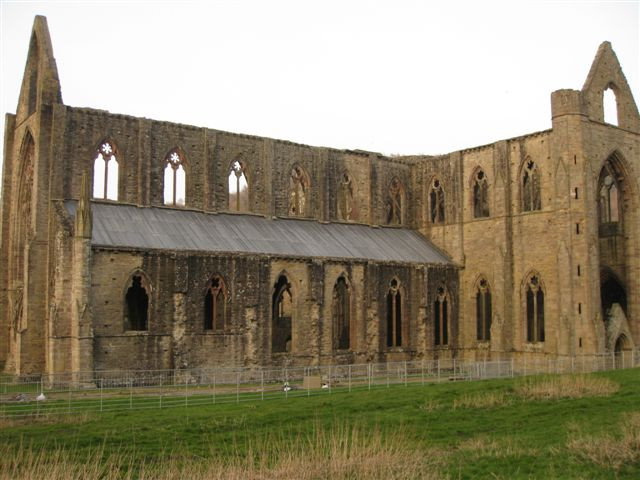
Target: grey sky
[{"x": 397, "y": 76}]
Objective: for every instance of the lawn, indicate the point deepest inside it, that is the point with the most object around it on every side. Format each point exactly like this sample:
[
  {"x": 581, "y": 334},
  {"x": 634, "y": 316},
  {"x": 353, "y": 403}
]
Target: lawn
[{"x": 538, "y": 427}]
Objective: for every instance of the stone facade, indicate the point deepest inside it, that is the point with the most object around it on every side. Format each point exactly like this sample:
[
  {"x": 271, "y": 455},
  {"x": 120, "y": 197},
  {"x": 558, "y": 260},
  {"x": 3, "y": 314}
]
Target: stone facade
[{"x": 542, "y": 232}]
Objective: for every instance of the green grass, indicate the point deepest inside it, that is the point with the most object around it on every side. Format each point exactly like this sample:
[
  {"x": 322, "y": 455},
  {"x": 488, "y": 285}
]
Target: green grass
[{"x": 485, "y": 429}]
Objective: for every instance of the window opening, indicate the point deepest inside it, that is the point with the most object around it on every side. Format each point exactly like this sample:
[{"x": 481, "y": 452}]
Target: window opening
[
  {"x": 535, "y": 310},
  {"x": 238, "y": 188},
  {"x": 395, "y": 202},
  {"x": 394, "y": 315},
  {"x": 608, "y": 197},
  {"x": 105, "y": 173},
  {"x": 174, "y": 179},
  {"x": 480, "y": 195},
  {"x": 610, "y": 106},
  {"x": 215, "y": 305},
  {"x": 441, "y": 316},
  {"x": 483, "y": 311},
  {"x": 341, "y": 314},
  {"x": 282, "y": 313},
  {"x": 137, "y": 301},
  {"x": 346, "y": 189},
  {"x": 531, "y": 188},
  {"x": 436, "y": 202}
]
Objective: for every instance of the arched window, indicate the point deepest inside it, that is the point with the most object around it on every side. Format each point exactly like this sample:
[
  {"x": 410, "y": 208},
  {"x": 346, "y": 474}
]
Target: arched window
[
  {"x": 174, "y": 178},
  {"x": 608, "y": 196},
  {"x": 105, "y": 172},
  {"x": 483, "y": 310},
  {"x": 238, "y": 187},
  {"x": 480, "y": 195},
  {"x": 137, "y": 303},
  {"x": 394, "y": 315},
  {"x": 610, "y": 105},
  {"x": 341, "y": 315},
  {"x": 535, "y": 309},
  {"x": 299, "y": 186},
  {"x": 282, "y": 313},
  {"x": 215, "y": 305},
  {"x": 441, "y": 317},
  {"x": 530, "y": 187},
  {"x": 346, "y": 194},
  {"x": 436, "y": 202},
  {"x": 395, "y": 202}
]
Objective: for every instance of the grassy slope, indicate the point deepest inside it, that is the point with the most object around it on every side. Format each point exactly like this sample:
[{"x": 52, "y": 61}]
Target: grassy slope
[{"x": 517, "y": 438}]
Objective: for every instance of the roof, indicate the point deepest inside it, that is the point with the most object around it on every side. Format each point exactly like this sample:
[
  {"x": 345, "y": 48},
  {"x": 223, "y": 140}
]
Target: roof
[{"x": 152, "y": 228}]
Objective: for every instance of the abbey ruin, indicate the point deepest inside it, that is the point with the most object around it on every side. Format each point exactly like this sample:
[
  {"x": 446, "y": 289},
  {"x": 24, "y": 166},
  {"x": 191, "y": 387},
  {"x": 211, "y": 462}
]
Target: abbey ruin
[{"x": 129, "y": 243}]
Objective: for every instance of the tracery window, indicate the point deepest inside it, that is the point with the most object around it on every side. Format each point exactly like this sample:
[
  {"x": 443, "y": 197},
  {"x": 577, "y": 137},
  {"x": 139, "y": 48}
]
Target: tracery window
[
  {"x": 480, "y": 195},
  {"x": 346, "y": 194},
  {"x": 238, "y": 187},
  {"x": 215, "y": 305},
  {"x": 299, "y": 185},
  {"x": 105, "y": 172},
  {"x": 535, "y": 309},
  {"x": 174, "y": 178},
  {"x": 483, "y": 310},
  {"x": 137, "y": 303},
  {"x": 395, "y": 202},
  {"x": 530, "y": 187},
  {"x": 282, "y": 316},
  {"x": 608, "y": 196},
  {"x": 341, "y": 315},
  {"x": 436, "y": 202},
  {"x": 394, "y": 315},
  {"x": 441, "y": 317}
]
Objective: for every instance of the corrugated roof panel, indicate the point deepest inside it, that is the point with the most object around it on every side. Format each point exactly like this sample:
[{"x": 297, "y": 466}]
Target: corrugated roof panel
[{"x": 116, "y": 225}]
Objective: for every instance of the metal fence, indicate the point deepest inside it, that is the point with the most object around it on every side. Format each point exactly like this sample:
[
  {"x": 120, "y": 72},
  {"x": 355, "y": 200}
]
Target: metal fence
[{"x": 104, "y": 391}]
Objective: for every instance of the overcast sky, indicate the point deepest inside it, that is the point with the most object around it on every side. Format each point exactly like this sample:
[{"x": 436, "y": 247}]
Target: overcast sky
[{"x": 397, "y": 77}]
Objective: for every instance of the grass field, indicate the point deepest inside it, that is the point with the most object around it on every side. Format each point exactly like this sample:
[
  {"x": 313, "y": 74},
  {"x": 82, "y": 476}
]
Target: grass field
[{"x": 537, "y": 427}]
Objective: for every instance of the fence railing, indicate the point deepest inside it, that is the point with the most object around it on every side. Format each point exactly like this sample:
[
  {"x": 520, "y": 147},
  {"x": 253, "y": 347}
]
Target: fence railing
[{"x": 103, "y": 391}]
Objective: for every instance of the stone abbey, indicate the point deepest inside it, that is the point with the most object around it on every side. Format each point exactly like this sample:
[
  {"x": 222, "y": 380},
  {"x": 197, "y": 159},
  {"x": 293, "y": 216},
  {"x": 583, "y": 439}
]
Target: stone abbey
[{"x": 129, "y": 243}]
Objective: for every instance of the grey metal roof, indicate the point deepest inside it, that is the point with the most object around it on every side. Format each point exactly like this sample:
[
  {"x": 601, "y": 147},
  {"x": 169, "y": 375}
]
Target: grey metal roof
[{"x": 128, "y": 226}]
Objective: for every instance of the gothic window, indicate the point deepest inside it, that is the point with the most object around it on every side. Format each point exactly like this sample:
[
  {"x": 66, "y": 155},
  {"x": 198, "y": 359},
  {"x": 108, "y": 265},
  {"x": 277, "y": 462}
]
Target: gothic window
[
  {"x": 480, "y": 195},
  {"x": 215, "y": 305},
  {"x": 174, "y": 178},
  {"x": 394, "y": 315},
  {"x": 105, "y": 172},
  {"x": 441, "y": 317},
  {"x": 395, "y": 202},
  {"x": 137, "y": 303},
  {"x": 23, "y": 208},
  {"x": 238, "y": 187},
  {"x": 608, "y": 197},
  {"x": 530, "y": 187},
  {"x": 436, "y": 202},
  {"x": 341, "y": 315},
  {"x": 483, "y": 310},
  {"x": 610, "y": 105},
  {"x": 282, "y": 313},
  {"x": 299, "y": 186},
  {"x": 346, "y": 195},
  {"x": 535, "y": 310}
]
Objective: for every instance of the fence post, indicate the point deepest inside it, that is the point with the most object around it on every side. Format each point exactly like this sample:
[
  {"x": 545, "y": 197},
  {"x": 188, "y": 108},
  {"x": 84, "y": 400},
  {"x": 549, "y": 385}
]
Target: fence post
[
  {"x": 349, "y": 378},
  {"x": 161, "y": 391},
  {"x": 69, "y": 387},
  {"x": 238, "y": 387},
  {"x": 422, "y": 371},
  {"x": 130, "y": 393},
  {"x": 186, "y": 396},
  {"x": 512, "y": 367},
  {"x": 214, "y": 386},
  {"x": 438, "y": 370},
  {"x": 369, "y": 374},
  {"x": 262, "y": 385},
  {"x": 101, "y": 393},
  {"x": 405, "y": 373}
]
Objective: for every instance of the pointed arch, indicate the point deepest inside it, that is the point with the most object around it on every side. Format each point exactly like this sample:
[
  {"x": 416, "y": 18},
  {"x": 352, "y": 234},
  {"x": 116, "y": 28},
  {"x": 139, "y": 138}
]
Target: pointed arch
[
  {"x": 106, "y": 170},
  {"x": 282, "y": 315},
  {"x": 612, "y": 290},
  {"x": 215, "y": 304},
  {"x": 341, "y": 313},
  {"x": 441, "y": 314},
  {"x": 175, "y": 177},
  {"x": 530, "y": 178},
  {"x": 395, "y": 202},
  {"x": 395, "y": 311},
  {"x": 480, "y": 193},
  {"x": 610, "y": 104},
  {"x": 299, "y": 191},
  {"x": 137, "y": 301},
  {"x": 346, "y": 206},
  {"x": 483, "y": 309},
  {"x": 534, "y": 307},
  {"x": 436, "y": 202},
  {"x": 238, "y": 182}
]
